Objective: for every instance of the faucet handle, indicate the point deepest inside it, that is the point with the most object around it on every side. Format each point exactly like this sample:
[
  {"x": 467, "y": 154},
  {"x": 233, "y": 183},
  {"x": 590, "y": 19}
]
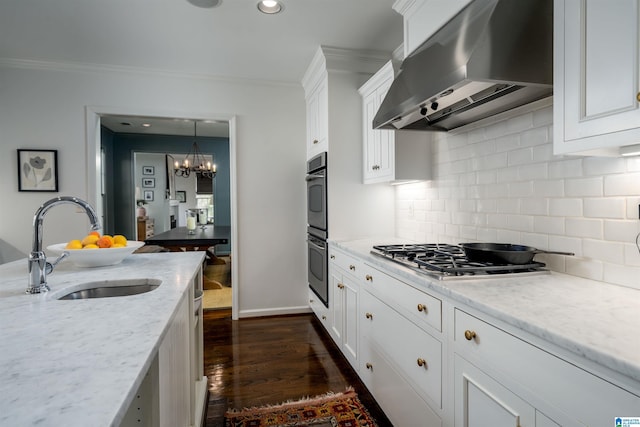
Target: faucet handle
[{"x": 50, "y": 266}]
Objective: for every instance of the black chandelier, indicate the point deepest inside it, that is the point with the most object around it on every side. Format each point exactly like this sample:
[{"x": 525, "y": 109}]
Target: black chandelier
[{"x": 197, "y": 164}]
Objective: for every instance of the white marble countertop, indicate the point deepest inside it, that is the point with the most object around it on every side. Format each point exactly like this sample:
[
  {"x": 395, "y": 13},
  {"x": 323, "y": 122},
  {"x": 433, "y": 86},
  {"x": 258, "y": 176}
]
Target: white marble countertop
[
  {"x": 595, "y": 320},
  {"x": 79, "y": 362}
]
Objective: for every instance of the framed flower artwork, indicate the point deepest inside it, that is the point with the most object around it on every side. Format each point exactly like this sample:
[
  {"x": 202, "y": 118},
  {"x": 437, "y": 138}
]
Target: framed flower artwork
[{"x": 38, "y": 170}]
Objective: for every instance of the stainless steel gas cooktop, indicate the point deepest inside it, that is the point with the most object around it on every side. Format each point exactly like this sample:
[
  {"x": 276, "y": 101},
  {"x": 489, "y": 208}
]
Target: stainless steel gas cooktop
[{"x": 445, "y": 261}]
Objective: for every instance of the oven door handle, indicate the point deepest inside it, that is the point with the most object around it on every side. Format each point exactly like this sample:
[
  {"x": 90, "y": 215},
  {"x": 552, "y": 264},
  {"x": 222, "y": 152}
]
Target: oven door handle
[
  {"x": 315, "y": 245},
  {"x": 313, "y": 177}
]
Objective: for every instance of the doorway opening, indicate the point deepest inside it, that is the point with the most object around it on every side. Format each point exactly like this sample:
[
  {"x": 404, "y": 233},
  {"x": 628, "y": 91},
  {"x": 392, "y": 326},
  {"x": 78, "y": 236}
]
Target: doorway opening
[{"x": 123, "y": 198}]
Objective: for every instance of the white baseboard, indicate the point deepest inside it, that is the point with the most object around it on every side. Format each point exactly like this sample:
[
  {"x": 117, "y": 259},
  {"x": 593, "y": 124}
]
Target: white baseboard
[{"x": 274, "y": 311}]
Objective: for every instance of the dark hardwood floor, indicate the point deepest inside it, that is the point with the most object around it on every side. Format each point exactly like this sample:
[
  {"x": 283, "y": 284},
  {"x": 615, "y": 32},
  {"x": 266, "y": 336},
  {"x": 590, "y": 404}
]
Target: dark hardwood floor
[{"x": 268, "y": 360}]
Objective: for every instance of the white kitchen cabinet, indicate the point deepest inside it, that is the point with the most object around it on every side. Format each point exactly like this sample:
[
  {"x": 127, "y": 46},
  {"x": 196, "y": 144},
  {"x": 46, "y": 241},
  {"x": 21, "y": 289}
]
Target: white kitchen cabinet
[
  {"x": 422, "y": 18},
  {"x": 400, "y": 362},
  {"x": 499, "y": 374},
  {"x": 173, "y": 392},
  {"x": 596, "y": 76},
  {"x": 319, "y": 309},
  {"x": 344, "y": 291},
  {"x": 317, "y": 112},
  {"x": 390, "y": 155},
  {"x": 482, "y": 401}
]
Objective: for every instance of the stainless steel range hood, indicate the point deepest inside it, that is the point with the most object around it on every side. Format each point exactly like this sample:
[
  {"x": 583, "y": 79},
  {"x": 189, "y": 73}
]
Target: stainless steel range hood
[{"x": 493, "y": 56}]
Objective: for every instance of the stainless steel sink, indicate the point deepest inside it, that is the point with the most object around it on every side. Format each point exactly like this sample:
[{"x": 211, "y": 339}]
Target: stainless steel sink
[{"x": 112, "y": 288}]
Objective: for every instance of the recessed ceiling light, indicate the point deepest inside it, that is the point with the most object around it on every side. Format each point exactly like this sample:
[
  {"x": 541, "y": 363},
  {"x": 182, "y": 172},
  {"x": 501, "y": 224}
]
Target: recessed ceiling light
[
  {"x": 270, "y": 6},
  {"x": 205, "y": 3},
  {"x": 146, "y": 125}
]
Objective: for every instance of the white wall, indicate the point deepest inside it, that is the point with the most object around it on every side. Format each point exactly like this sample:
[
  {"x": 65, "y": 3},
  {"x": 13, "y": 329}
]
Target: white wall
[
  {"x": 502, "y": 183},
  {"x": 43, "y": 106}
]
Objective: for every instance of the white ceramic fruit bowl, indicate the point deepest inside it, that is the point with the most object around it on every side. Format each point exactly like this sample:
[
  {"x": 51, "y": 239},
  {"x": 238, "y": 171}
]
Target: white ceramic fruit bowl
[{"x": 96, "y": 257}]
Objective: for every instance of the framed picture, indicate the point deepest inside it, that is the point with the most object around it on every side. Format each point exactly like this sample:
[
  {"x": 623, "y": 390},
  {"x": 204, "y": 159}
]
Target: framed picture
[
  {"x": 148, "y": 170},
  {"x": 148, "y": 195},
  {"x": 38, "y": 170},
  {"x": 148, "y": 182},
  {"x": 181, "y": 196}
]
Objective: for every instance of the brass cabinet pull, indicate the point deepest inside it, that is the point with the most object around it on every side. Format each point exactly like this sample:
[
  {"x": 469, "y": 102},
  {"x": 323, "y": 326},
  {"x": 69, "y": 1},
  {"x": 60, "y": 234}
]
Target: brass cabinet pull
[
  {"x": 638, "y": 96},
  {"x": 369, "y": 366},
  {"x": 368, "y": 315},
  {"x": 369, "y": 278},
  {"x": 421, "y": 362},
  {"x": 315, "y": 141},
  {"x": 422, "y": 307},
  {"x": 469, "y": 335},
  {"x": 352, "y": 267},
  {"x": 340, "y": 286},
  {"x": 332, "y": 257},
  {"x": 324, "y": 317},
  {"x": 310, "y": 301}
]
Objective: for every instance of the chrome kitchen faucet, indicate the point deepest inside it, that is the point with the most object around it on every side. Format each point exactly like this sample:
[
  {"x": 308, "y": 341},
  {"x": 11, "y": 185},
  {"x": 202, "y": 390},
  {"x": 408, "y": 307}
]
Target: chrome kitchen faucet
[{"x": 37, "y": 262}]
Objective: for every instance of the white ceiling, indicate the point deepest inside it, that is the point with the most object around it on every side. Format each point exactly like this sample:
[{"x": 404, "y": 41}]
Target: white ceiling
[
  {"x": 231, "y": 40},
  {"x": 164, "y": 126}
]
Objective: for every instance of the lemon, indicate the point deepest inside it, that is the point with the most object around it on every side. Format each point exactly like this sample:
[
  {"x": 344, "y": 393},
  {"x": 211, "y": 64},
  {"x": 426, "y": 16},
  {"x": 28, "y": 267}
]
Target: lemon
[
  {"x": 90, "y": 239},
  {"x": 74, "y": 244},
  {"x": 119, "y": 239},
  {"x": 118, "y": 245},
  {"x": 91, "y": 246}
]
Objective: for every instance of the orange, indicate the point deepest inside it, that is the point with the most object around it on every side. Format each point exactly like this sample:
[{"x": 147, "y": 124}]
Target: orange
[
  {"x": 94, "y": 233},
  {"x": 105, "y": 242},
  {"x": 74, "y": 244},
  {"x": 90, "y": 239}
]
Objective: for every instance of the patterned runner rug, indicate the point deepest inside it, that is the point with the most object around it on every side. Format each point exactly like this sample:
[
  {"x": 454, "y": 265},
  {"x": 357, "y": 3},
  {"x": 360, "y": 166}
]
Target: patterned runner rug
[{"x": 330, "y": 410}]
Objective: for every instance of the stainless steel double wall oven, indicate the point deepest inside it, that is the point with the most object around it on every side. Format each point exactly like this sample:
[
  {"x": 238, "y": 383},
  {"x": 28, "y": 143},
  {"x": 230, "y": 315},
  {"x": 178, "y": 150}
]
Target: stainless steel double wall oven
[{"x": 317, "y": 226}]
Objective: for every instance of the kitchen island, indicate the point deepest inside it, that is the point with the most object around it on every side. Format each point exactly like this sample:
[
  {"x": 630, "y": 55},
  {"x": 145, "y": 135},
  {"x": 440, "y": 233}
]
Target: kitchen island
[{"x": 83, "y": 362}]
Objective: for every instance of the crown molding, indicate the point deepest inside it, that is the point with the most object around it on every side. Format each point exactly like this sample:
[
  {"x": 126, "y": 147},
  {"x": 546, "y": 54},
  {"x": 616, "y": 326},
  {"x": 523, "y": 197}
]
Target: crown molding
[{"x": 80, "y": 67}]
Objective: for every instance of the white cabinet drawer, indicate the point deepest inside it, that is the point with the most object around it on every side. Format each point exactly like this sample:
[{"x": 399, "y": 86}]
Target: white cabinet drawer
[
  {"x": 419, "y": 306},
  {"x": 402, "y": 405},
  {"x": 319, "y": 309},
  {"x": 416, "y": 354},
  {"x": 346, "y": 262},
  {"x": 586, "y": 398}
]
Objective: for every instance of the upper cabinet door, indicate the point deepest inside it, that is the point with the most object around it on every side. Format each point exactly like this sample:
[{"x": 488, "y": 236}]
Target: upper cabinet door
[
  {"x": 596, "y": 76},
  {"x": 317, "y": 123},
  {"x": 378, "y": 145}
]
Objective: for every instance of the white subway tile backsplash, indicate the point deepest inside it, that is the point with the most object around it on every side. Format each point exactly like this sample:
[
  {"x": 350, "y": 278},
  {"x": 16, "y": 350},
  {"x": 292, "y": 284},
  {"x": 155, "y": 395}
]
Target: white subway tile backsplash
[
  {"x": 607, "y": 207},
  {"x": 533, "y": 137},
  {"x": 565, "y": 168},
  {"x": 603, "y": 165},
  {"x": 543, "y": 153},
  {"x": 632, "y": 254},
  {"x": 532, "y": 172},
  {"x": 550, "y": 188},
  {"x": 502, "y": 183},
  {"x": 583, "y": 227},
  {"x": 565, "y": 207},
  {"x": 587, "y": 268},
  {"x": 603, "y": 250},
  {"x": 622, "y": 275},
  {"x": 548, "y": 225},
  {"x": 584, "y": 187},
  {"x": 622, "y": 184},
  {"x": 534, "y": 206},
  {"x": 520, "y": 123},
  {"x": 521, "y": 156}
]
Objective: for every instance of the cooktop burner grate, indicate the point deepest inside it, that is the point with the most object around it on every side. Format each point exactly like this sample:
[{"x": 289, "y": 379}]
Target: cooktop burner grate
[{"x": 449, "y": 261}]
